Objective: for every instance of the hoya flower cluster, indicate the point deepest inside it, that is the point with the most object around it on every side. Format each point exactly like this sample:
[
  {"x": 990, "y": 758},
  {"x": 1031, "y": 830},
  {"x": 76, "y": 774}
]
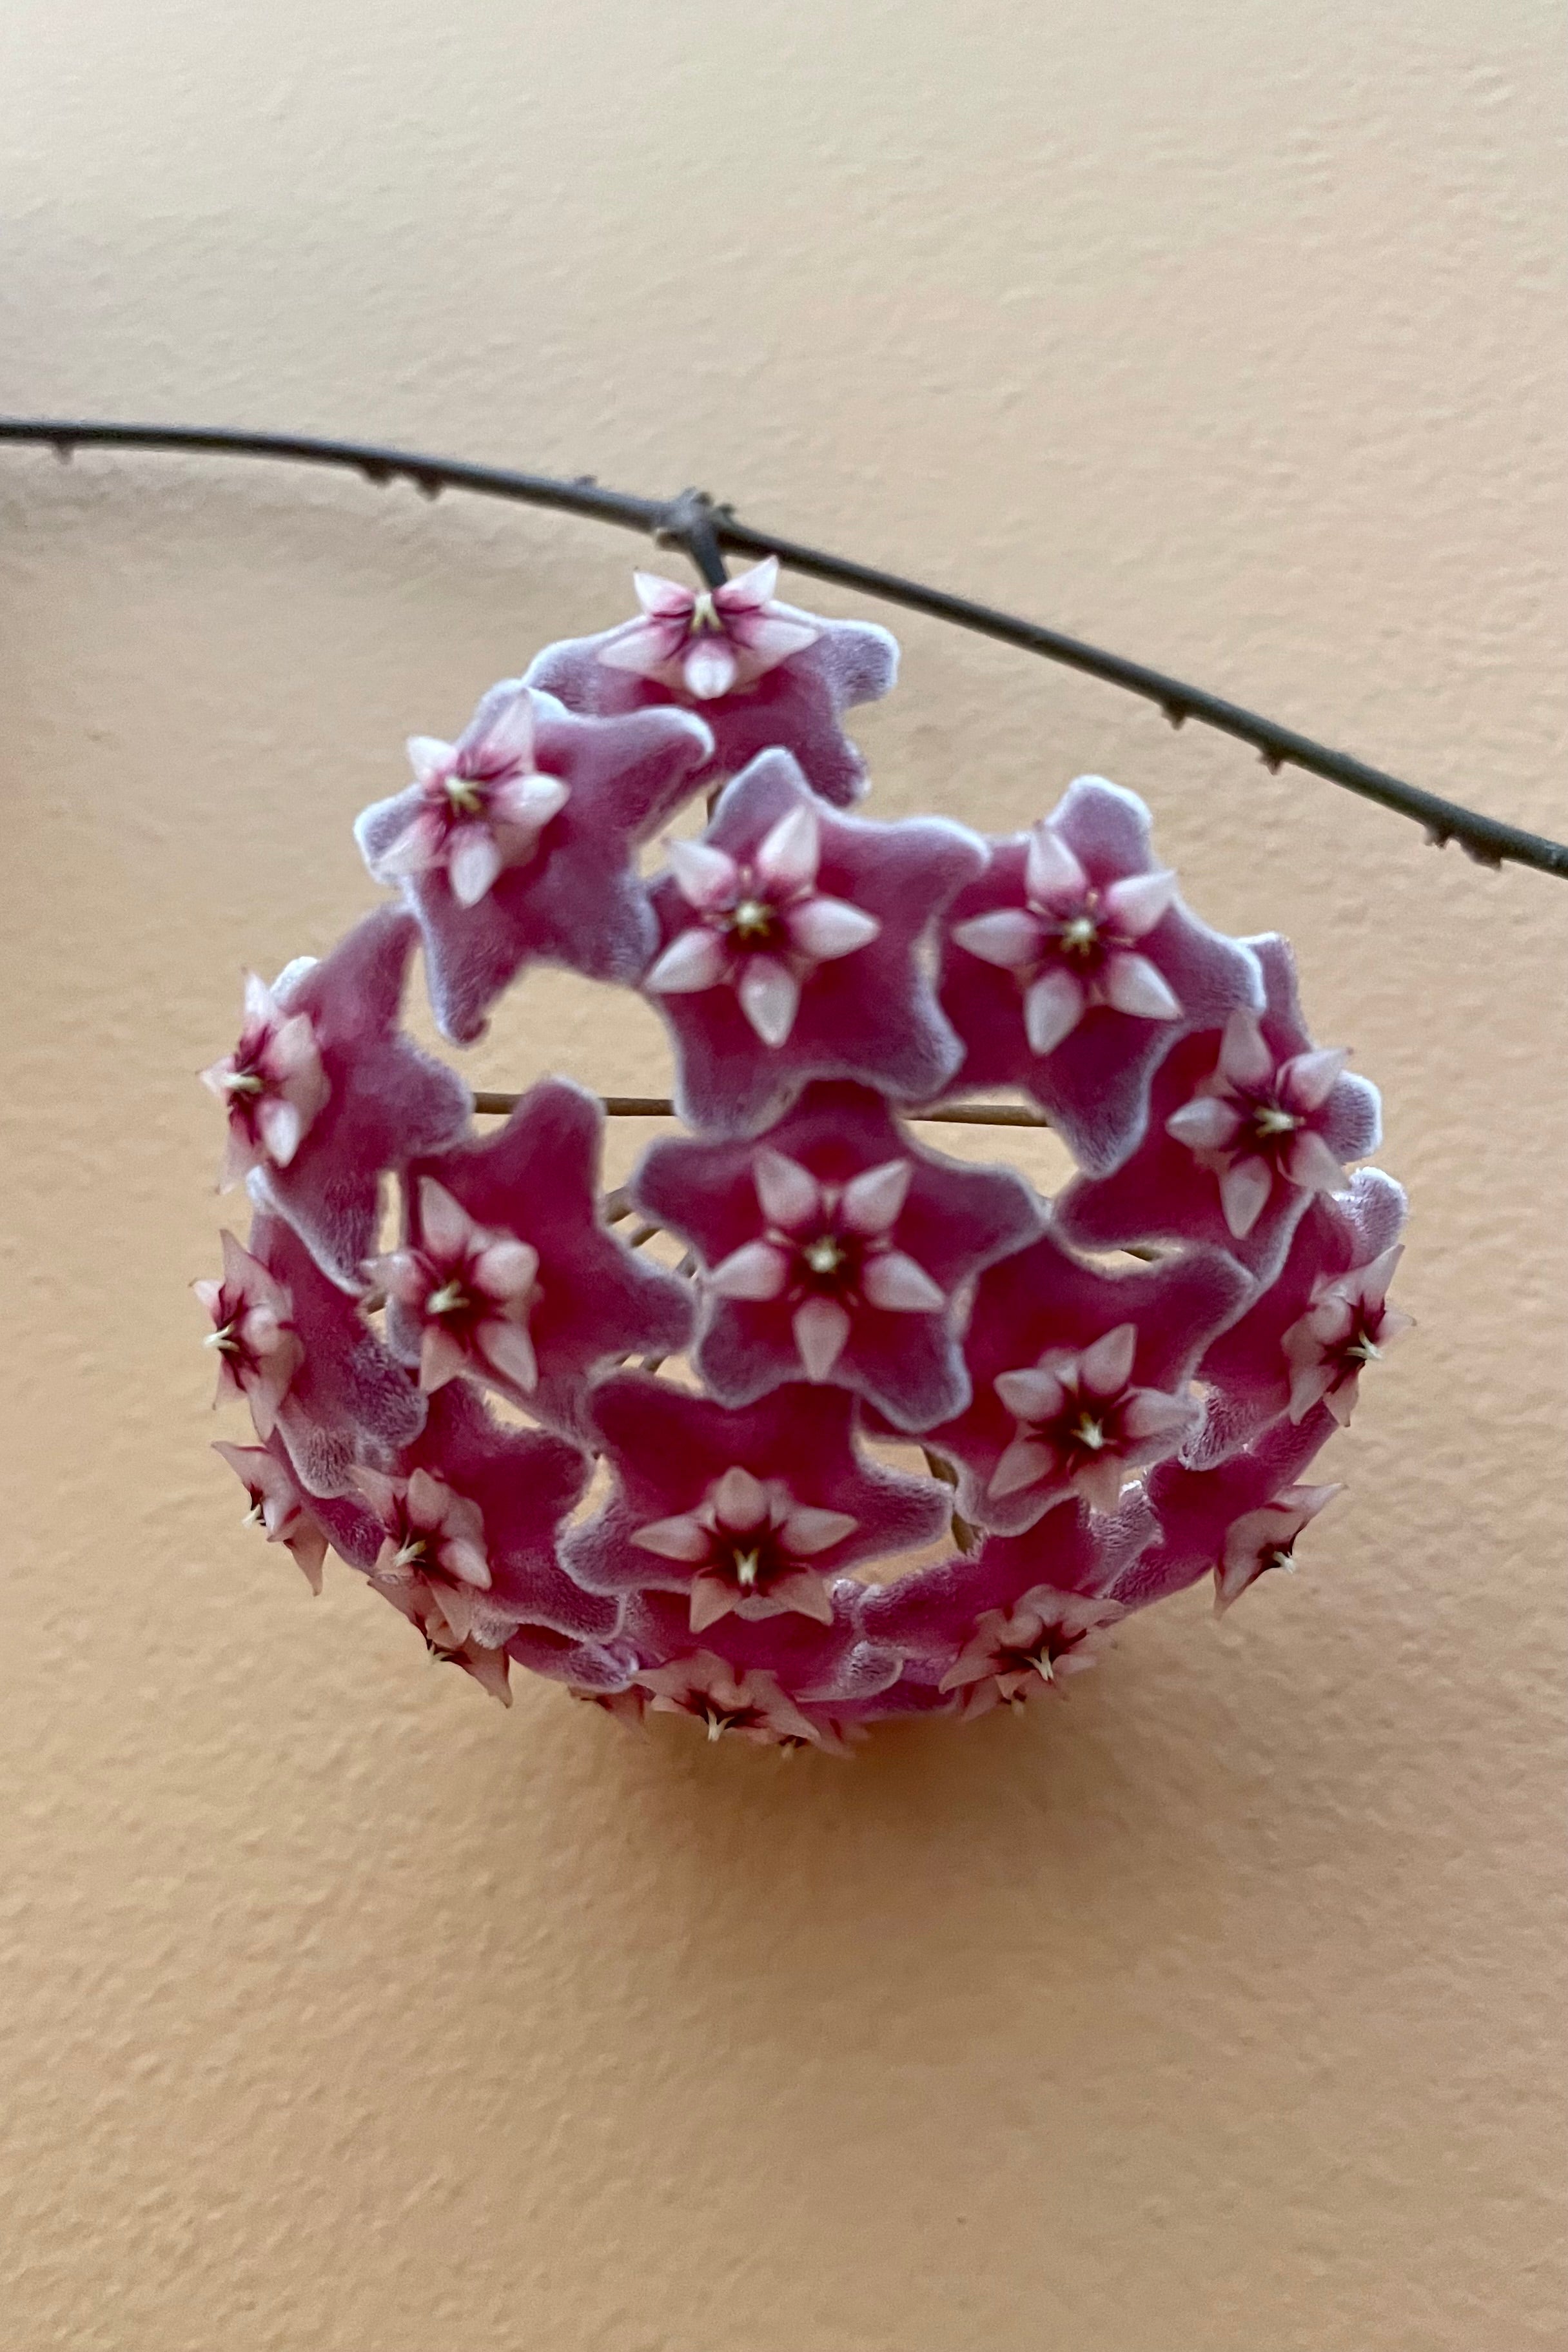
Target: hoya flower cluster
[{"x": 898, "y": 1436}]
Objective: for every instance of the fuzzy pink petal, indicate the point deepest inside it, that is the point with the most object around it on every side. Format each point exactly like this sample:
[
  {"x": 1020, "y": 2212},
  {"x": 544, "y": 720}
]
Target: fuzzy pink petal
[
  {"x": 412, "y": 851},
  {"x": 1051, "y": 870},
  {"x": 769, "y": 998},
  {"x": 1099, "y": 1484},
  {"x": 473, "y": 861},
  {"x": 806, "y": 1530},
  {"x": 739, "y": 1501},
  {"x": 1023, "y": 1464},
  {"x": 1244, "y": 1190},
  {"x": 1032, "y": 1394},
  {"x": 711, "y": 1599},
  {"x": 666, "y": 600},
  {"x": 429, "y": 757},
  {"x": 446, "y": 1227},
  {"x": 441, "y": 1357},
  {"x": 1053, "y": 1007},
  {"x": 873, "y": 1202},
  {"x": 895, "y": 1283},
  {"x": 805, "y": 1593},
  {"x": 750, "y": 590},
  {"x": 1309, "y": 1163},
  {"x": 1132, "y": 984},
  {"x": 768, "y": 638},
  {"x": 694, "y": 959},
  {"x": 1106, "y": 1368},
  {"x": 821, "y": 1327},
  {"x": 506, "y": 1269},
  {"x": 827, "y": 928},
  {"x": 1137, "y": 902},
  {"x": 709, "y": 667},
  {"x": 791, "y": 851},
  {"x": 1208, "y": 1123},
  {"x": 1307, "y": 1080},
  {"x": 704, "y": 875},
  {"x": 508, "y": 1348},
  {"x": 1009, "y": 938},
  {"x": 1149, "y": 1413},
  {"x": 527, "y": 803},
  {"x": 789, "y": 1194},
  {"x": 755, "y": 1271},
  {"x": 1244, "y": 1055},
  {"x": 682, "y": 1538},
  {"x": 281, "y": 1129}
]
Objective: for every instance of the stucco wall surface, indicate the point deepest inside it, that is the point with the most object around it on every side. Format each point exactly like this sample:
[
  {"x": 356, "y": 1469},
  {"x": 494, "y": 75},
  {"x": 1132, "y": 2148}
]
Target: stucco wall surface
[{"x": 1218, "y": 2009}]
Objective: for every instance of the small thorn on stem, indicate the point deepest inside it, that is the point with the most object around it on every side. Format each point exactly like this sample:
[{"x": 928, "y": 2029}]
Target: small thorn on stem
[
  {"x": 1437, "y": 836},
  {"x": 1272, "y": 759},
  {"x": 1177, "y": 713}
]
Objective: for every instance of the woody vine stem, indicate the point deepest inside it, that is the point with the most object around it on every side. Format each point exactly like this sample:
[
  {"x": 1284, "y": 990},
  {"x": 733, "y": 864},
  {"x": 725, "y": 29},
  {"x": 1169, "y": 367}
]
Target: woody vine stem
[{"x": 706, "y": 528}]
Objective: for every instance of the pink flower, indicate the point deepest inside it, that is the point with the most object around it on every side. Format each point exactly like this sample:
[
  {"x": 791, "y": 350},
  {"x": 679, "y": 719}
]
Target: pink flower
[
  {"x": 1013, "y": 1654},
  {"x": 1248, "y": 1370},
  {"x": 748, "y": 1511},
  {"x": 1348, "y": 1326},
  {"x": 347, "y": 1400},
  {"x": 508, "y": 1272},
  {"x": 1266, "y": 1538},
  {"x": 789, "y": 696},
  {"x": 519, "y": 844},
  {"x": 381, "y": 1100},
  {"x": 257, "y": 1349},
  {"x": 1246, "y": 1127},
  {"x": 477, "y": 806},
  {"x": 751, "y": 1705},
  {"x": 1013, "y": 1608},
  {"x": 1070, "y": 967},
  {"x": 791, "y": 944},
  {"x": 1080, "y": 1375},
  {"x": 518, "y": 1486},
  {"x": 279, "y": 1507},
  {"x": 1232, "y": 1517},
  {"x": 432, "y": 1564},
  {"x": 834, "y": 1247},
  {"x": 470, "y": 1289},
  {"x": 764, "y": 925},
  {"x": 272, "y": 1085},
  {"x": 705, "y": 642}
]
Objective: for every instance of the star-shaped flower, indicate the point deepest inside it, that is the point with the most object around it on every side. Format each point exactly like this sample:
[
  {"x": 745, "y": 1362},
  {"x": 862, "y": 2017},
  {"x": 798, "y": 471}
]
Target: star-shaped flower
[
  {"x": 279, "y": 1505},
  {"x": 749, "y": 1510},
  {"x": 705, "y": 642},
  {"x": 790, "y": 949},
  {"x": 835, "y": 1247},
  {"x": 253, "y": 1336},
  {"x": 747, "y": 1703},
  {"x": 1246, "y": 1126},
  {"x": 1013, "y": 1653},
  {"x": 518, "y": 845},
  {"x": 470, "y": 1521},
  {"x": 348, "y": 1400},
  {"x": 508, "y": 1272},
  {"x": 1014, "y": 1609},
  {"x": 1070, "y": 967},
  {"x": 272, "y": 1085},
  {"x": 1348, "y": 1326},
  {"x": 1250, "y": 1370},
  {"x": 384, "y": 1101},
  {"x": 1080, "y": 1376},
  {"x": 1234, "y": 1517},
  {"x": 786, "y": 695}
]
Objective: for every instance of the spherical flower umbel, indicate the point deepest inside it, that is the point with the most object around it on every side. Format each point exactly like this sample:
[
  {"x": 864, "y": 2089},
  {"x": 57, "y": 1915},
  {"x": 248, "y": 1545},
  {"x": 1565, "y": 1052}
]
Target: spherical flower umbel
[{"x": 802, "y": 1425}]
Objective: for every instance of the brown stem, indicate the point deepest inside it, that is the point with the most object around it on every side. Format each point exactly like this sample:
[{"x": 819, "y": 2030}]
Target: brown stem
[{"x": 661, "y": 1106}]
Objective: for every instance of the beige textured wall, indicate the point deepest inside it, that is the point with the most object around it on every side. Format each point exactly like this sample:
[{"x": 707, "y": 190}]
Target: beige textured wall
[{"x": 1218, "y": 2010}]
